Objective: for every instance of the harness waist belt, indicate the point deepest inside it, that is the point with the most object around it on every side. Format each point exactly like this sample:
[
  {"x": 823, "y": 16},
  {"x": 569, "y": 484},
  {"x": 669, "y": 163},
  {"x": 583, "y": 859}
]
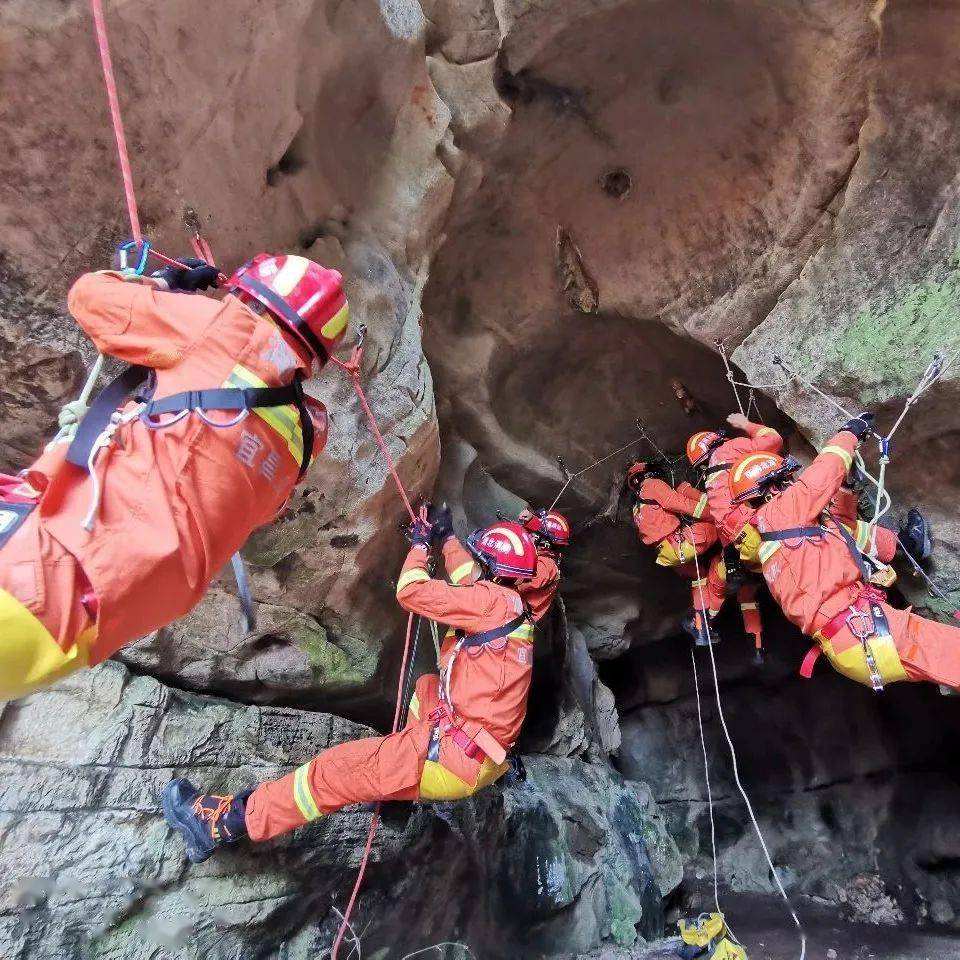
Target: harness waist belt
[
  {"x": 795, "y": 533},
  {"x": 488, "y": 636},
  {"x": 868, "y": 595},
  {"x": 222, "y": 398},
  {"x": 481, "y": 744}
]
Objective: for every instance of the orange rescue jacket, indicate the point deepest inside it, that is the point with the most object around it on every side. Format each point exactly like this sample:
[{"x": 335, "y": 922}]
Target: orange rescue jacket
[
  {"x": 657, "y": 513},
  {"x": 812, "y": 579},
  {"x": 728, "y": 516},
  {"x": 177, "y": 502},
  {"x": 488, "y": 684}
]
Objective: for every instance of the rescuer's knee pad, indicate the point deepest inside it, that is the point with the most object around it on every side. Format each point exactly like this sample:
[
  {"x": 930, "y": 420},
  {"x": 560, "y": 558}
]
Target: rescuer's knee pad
[{"x": 30, "y": 657}]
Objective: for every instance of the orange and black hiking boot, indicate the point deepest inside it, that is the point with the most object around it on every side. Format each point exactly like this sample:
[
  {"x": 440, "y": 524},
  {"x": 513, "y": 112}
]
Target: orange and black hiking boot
[{"x": 204, "y": 820}]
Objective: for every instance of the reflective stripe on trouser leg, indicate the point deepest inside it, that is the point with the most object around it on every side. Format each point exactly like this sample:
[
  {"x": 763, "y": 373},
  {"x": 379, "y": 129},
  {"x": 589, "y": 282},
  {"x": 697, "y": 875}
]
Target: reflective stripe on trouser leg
[
  {"x": 359, "y": 771},
  {"x": 302, "y": 795}
]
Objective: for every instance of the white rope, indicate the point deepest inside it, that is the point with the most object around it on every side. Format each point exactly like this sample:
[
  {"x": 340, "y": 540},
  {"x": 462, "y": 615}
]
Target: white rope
[
  {"x": 736, "y": 774},
  {"x": 733, "y": 383},
  {"x": 706, "y": 776},
  {"x": 74, "y": 411},
  {"x": 573, "y": 476}
]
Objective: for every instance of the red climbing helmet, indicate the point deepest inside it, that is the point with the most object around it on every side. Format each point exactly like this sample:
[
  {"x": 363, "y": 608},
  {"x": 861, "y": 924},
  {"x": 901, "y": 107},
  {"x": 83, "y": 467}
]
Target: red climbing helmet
[
  {"x": 552, "y": 525},
  {"x": 635, "y": 475},
  {"x": 504, "y": 550},
  {"x": 303, "y": 296},
  {"x": 701, "y": 444},
  {"x": 751, "y": 474}
]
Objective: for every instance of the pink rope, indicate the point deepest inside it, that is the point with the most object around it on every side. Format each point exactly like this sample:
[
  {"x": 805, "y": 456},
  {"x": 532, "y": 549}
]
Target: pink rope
[
  {"x": 375, "y": 819},
  {"x": 112, "y": 98}
]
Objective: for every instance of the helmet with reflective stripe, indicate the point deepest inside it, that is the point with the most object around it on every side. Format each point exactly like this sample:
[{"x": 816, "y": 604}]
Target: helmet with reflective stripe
[
  {"x": 701, "y": 444},
  {"x": 301, "y": 295},
  {"x": 752, "y": 474},
  {"x": 504, "y": 550},
  {"x": 551, "y": 525}
]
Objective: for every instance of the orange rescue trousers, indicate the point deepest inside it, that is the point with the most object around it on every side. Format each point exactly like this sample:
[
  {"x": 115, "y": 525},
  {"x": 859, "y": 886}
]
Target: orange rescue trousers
[{"x": 394, "y": 767}]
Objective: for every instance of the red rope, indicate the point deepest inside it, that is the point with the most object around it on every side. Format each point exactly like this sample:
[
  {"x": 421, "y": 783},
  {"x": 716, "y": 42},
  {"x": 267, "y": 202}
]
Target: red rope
[
  {"x": 112, "y": 98},
  {"x": 352, "y": 367},
  {"x": 375, "y": 819}
]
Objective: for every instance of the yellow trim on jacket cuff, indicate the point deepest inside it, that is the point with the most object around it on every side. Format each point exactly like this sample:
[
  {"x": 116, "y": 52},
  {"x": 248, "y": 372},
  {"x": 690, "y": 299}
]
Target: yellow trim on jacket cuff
[
  {"x": 839, "y": 452},
  {"x": 461, "y": 572},
  {"x": 416, "y": 575}
]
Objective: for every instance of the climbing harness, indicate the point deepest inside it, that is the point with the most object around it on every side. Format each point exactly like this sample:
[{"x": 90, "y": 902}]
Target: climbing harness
[
  {"x": 936, "y": 369},
  {"x": 739, "y": 783}
]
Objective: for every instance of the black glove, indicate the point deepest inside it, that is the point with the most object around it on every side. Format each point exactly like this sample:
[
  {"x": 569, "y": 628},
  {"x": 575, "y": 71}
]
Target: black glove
[
  {"x": 193, "y": 275},
  {"x": 421, "y": 530},
  {"x": 441, "y": 520},
  {"x": 859, "y": 426}
]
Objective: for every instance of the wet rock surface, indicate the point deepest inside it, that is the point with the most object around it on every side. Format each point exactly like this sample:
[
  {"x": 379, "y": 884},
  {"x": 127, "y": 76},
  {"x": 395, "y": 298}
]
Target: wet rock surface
[
  {"x": 570, "y": 857},
  {"x": 561, "y": 204}
]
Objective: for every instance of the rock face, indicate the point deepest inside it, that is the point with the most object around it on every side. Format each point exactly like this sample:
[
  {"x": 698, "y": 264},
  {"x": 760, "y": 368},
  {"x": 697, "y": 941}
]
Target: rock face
[
  {"x": 573, "y": 855},
  {"x": 561, "y": 204}
]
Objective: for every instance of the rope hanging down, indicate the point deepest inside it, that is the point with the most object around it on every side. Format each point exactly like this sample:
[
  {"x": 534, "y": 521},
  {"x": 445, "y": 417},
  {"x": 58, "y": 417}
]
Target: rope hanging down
[
  {"x": 736, "y": 774},
  {"x": 352, "y": 367}
]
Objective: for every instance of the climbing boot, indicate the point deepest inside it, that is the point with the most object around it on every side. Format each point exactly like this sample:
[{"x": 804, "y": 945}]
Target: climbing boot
[
  {"x": 915, "y": 535},
  {"x": 517, "y": 773},
  {"x": 204, "y": 820},
  {"x": 702, "y": 632}
]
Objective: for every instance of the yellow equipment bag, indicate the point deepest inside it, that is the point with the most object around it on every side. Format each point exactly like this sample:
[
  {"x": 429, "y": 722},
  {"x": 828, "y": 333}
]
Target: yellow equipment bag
[{"x": 709, "y": 933}]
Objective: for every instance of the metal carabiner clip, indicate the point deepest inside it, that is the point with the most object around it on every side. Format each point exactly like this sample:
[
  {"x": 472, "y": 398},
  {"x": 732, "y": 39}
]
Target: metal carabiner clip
[
  {"x": 221, "y": 425},
  {"x": 123, "y": 256},
  {"x": 152, "y": 424}
]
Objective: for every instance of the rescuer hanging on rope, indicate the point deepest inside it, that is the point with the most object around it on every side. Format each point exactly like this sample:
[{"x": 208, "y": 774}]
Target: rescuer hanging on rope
[
  {"x": 117, "y": 533},
  {"x": 677, "y": 522},
  {"x": 817, "y": 574},
  {"x": 713, "y": 453},
  {"x": 460, "y": 725}
]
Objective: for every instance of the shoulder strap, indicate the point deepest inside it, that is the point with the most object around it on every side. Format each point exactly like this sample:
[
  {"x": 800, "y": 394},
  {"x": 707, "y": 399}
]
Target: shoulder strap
[
  {"x": 717, "y": 467},
  {"x": 852, "y": 547},
  {"x": 795, "y": 533},
  {"x": 222, "y": 398},
  {"x": 488, "y": 636},
  {"x": 110, "y": 398}
]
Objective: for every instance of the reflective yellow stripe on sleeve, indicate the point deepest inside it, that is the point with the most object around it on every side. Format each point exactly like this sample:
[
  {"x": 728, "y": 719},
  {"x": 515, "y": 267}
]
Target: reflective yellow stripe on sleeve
[
  {"x": 461, "y": 572},
  {"x": 415, "y": 706},
  {"x": 416, "y": 575},
  {"x": 765, "y": 431},
  {"x": 839, "y": 452},
  {"x": 748, "y": 606},
  {"x": 701, "y": 506},
  {"x": 862, "y": 534},
  {"x": 302, "y": 795},
  {"x": 767, "y": 549}
]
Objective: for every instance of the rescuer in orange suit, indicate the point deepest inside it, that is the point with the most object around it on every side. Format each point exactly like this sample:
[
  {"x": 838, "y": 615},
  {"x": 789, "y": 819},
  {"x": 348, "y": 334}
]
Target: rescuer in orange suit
[
  {"x": 551, "y": 535},
  {"x": 120, "y": 531},
  {"x": 816, "y": 573},
  {"x": 460, "y": 725},
  {"x": 678, "y": 523},
  {"x": 713, "y": 453}
]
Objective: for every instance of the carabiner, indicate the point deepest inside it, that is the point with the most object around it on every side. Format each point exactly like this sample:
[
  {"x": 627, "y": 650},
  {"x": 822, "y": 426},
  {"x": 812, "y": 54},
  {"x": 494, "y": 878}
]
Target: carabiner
[
  {"x": 123, "y": 256},
  {"x": 239, "y": 418}
]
